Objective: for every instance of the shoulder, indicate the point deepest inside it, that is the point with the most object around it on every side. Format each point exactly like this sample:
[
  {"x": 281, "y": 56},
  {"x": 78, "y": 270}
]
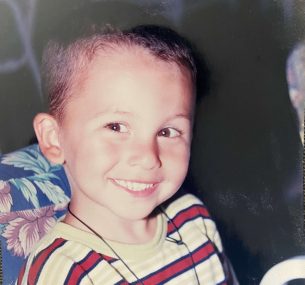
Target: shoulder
[
  {"x": 41, "y": 259},
  {"x": 187, "y": 211},
  {"x": 186, "y": 205},
  {"x": 56, "y": 260}
]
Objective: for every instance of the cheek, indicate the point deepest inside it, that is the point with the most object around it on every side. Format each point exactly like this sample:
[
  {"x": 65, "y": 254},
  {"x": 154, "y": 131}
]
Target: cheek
[
  {"x": 92, "y": 153},
  {"x": 176, "y": 160}
]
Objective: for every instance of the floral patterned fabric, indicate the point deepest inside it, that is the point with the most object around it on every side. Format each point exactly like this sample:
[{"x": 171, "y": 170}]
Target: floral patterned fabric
[{"x": 33, "y": 196}]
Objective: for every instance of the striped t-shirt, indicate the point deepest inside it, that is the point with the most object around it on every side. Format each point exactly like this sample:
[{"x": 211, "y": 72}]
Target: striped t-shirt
[{"x": 71, "y": 256}]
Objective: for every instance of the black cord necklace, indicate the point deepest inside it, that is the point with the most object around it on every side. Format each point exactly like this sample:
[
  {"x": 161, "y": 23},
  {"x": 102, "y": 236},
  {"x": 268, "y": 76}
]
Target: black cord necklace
[
  {"x": 107, "y": 244},
  {"x": 178, "y": 242}
]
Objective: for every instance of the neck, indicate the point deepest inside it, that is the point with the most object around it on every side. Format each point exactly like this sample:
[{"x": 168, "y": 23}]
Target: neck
[{"x": 111, "y": 227}]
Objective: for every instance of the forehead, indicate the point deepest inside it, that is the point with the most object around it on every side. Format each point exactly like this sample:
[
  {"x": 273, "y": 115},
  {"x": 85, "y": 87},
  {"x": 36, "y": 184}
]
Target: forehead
[
  {"x": 121, "y": 68},
  {"x": 118, "y": 57}
]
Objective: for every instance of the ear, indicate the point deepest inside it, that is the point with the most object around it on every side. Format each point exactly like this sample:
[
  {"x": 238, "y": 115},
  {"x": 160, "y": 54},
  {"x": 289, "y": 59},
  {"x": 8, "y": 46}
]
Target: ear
[{"x": 47, "y": 132}]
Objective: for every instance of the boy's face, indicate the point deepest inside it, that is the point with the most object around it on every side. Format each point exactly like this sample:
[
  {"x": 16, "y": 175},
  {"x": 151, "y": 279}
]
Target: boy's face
[{"x": 126, "y": 134}]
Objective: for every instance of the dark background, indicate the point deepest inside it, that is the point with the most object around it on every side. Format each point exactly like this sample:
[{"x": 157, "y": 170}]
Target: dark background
[{"x": 247, "y": 154}]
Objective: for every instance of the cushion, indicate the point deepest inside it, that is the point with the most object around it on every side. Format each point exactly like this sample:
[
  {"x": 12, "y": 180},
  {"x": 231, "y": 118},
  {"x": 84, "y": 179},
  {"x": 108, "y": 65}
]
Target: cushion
[{"x": 33, "y": 195}]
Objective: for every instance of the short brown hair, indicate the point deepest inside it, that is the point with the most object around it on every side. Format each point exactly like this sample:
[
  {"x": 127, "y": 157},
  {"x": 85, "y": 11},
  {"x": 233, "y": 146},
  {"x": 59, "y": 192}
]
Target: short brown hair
[{"x": 62, "y": 65}]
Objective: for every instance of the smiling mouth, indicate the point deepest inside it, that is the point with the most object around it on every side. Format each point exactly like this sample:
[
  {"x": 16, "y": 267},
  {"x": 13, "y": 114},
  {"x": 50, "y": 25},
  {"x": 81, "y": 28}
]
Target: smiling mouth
[{"x": 134, "y": 186}]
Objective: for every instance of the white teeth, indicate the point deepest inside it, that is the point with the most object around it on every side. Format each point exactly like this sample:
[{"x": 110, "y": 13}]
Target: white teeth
[{"x": 134, "y": 186}]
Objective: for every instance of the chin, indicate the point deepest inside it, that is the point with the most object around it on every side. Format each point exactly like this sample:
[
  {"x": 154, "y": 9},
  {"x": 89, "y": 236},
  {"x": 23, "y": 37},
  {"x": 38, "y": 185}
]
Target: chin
[{"x": 136, "y": 214}]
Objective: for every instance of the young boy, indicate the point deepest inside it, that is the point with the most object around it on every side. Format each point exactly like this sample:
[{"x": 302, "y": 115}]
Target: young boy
[{"x": 120, "y": 121}]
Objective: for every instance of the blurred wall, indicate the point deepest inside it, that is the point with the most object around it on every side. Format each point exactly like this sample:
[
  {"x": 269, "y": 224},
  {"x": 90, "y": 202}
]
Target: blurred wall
[{"x": 246, "y": 162}]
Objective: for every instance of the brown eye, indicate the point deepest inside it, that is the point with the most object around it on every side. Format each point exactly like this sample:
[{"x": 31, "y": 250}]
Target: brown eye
[
  {"x": 117, "y": 127},
  {"x": 169, "y": 133}
]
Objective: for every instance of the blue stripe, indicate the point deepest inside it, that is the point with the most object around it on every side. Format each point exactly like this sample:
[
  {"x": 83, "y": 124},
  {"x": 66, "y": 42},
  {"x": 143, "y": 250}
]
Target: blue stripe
[
  {"x": 122, "y": 281},
  {"x": 78, "y": 264},
  {"x": 223, "y": 282},
  {"x": 90, "y": 268}
]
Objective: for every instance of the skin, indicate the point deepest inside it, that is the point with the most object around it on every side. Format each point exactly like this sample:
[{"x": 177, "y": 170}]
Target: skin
[{"x": 130, "y": 122}]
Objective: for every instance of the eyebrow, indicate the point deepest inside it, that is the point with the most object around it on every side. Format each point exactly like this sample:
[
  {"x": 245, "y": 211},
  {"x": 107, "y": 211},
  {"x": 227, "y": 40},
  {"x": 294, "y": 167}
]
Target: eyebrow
[
  {"x": 182, "y": 115},
  {"x": 107, "y": 111},
  {"x": 121, "y": 112}
]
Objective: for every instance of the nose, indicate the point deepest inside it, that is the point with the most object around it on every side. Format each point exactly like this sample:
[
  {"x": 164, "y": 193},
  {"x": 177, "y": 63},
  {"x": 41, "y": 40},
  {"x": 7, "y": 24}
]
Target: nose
[{"x": 145, "y": 154}]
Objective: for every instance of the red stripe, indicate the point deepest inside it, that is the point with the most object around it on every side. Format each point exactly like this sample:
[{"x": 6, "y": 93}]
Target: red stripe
[
  {"x": 39, "y": 261},
  {"x": 164, "y": 275},
  {"x": 76, "y": 272},
  {"x": 203, "y": 253},
  {"x": 188, "y": 215},
  {"x": 108, "y": 258},
  {"x": 21, "y": 274},
  {"x": 170, "y": 271}
]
